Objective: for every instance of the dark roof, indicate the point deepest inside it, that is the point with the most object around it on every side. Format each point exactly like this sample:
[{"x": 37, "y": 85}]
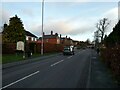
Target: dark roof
[
  {"x": 26, "y": 33},
  {"x": 66, "y": 38},
  {"x": 75, "y": 41},
  {"x": 49, "y": 36},
  {"x": 30, "y": 34}
]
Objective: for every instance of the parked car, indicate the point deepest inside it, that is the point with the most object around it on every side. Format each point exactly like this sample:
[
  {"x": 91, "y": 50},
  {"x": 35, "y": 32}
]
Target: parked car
[{"x": 68, "y": 50}]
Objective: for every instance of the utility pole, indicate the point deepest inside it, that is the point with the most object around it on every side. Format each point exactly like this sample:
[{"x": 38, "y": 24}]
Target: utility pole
[{"x": 42, "y": 27}]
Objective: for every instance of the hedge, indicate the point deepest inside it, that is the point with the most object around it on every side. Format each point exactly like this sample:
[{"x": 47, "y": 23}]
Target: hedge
[{"x": 111, "y": 56}]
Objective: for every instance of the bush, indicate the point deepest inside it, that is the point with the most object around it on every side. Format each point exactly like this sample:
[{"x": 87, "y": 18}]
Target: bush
[
  {"x": 8, "y": 48},
  {"x": 112, "y": 59}
]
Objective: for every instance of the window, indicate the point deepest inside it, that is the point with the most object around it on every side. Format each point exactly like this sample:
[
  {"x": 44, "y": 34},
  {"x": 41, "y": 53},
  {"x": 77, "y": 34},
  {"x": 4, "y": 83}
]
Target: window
[
  {"x": 46, "y": 40},
  {"x": 29, "y": 38},
  {"x": 26, "y": 37},
  {"x": 35, "y": 39}
]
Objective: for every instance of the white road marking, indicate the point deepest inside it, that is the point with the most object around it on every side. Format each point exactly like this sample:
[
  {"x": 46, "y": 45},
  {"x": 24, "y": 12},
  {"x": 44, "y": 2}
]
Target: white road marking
[
  {"x": 93, "y": 57},
  {"x": 56, "y": 63},
  {"x": 89, "y": 74},
  {"x": 20, "y": 80},
  {"x": 69, "y": 57}
]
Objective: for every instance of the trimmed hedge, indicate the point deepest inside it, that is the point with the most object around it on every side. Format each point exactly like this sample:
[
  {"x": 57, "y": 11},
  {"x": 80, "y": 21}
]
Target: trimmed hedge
[{"x": 111, "y": 56}]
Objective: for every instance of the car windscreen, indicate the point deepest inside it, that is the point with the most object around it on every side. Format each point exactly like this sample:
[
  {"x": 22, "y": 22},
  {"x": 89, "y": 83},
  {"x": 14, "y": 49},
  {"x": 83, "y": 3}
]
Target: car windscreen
[{"x": 66, "y": 48}]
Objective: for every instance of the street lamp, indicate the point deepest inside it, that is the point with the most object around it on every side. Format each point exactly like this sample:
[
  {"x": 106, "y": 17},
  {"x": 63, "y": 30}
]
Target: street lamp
[{"x": 42, "y": 27}]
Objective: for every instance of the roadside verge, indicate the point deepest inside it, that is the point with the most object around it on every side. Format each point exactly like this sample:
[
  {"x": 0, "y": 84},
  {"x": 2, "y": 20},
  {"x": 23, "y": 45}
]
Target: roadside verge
[{"x": 30, "y": 60}]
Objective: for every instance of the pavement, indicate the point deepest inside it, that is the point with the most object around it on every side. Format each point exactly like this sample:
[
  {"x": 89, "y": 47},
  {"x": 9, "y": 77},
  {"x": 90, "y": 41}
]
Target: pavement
[
  {"x": 82, "y": 70},
  {"x": 101, "y": 76}
]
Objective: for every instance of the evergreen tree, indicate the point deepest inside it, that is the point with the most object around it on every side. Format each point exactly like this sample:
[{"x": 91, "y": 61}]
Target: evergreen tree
[
  {"x": 14, "y": 32},
  {"x": 114, "y": 37}
]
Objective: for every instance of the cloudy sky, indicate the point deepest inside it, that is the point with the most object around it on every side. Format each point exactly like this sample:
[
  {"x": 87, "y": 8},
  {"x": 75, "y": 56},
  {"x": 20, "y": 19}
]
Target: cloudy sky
[{"x": 76, "y": 19}]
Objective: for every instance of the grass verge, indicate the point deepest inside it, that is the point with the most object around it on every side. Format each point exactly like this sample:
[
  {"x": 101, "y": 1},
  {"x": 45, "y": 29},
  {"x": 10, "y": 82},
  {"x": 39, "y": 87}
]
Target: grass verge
[{"x": 9, "y": 58}]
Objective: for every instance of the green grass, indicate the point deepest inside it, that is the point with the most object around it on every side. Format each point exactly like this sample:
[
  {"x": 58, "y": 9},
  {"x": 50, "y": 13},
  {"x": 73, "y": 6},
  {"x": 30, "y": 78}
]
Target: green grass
[
  {"x": 11, "y": 58},
  {"x": 8, "y": 58}
]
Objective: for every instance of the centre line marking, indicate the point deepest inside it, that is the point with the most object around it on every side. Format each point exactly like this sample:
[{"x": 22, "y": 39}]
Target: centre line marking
[
  {"x": 69, "y": 57},
  {"x": 93, "y": 57},
  {"x": 20, "y": 80},
  {"x": 56, "y": 63}
]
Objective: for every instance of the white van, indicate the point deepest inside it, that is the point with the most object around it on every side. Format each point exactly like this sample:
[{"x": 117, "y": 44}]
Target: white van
[{"x": 68, "y": 50}]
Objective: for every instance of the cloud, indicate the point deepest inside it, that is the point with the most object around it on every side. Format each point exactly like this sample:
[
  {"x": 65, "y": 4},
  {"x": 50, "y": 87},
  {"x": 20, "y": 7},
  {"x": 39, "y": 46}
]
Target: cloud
[
  {"x": 73, "y": 26},
  {"x": 66, "y": 26},
  {"x": 112, "y": 13},
  {"x": 28, "y": 11},
  {"x": 59, "y": 27},
  {"x": 4, "y": 16},
  {"x": 112, "y": 16},
  {"x": 76, "y": 26},
  {"x": 60, "y": 0}
]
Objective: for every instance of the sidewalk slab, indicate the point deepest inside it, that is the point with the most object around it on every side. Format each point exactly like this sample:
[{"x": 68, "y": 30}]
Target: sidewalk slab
[{"x": 100, "y": 74}]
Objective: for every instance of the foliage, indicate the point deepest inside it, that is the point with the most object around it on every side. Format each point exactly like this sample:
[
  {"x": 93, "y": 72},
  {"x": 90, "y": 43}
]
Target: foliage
[
  {"x": 13, "y": 32},
  {"x": 114, "y": 37},
  {"x": 112, "y": 59},
  {"x": 111, "y": 53},
  {"x": 8, "y": 48}
]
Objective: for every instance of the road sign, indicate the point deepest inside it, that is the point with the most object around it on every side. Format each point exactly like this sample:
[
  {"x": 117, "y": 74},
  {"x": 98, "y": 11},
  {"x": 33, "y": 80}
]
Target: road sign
[{"x": 20, "y": 45}]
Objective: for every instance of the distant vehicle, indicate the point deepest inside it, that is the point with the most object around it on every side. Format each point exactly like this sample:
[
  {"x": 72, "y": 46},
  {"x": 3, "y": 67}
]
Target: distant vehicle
[{"x": 68, "y": 50}]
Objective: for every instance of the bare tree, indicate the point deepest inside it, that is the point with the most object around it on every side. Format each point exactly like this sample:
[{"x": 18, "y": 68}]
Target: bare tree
[
  {"x": 102, "y": 26},
  {"x": 96, "y": 38}
]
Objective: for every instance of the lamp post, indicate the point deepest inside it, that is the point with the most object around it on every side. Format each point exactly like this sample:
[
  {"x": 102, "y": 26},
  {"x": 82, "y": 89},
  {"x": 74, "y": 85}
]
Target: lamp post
[{"x": 42, "y": 27}]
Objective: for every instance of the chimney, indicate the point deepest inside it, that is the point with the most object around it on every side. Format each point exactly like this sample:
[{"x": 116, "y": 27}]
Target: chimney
[
  {"x": 56, "y": 34},
  {"x": 60, "y": 35},
  {"x": 51, "y": 32},
  {"x": 43, "y": 33},
  {"x": 66, "y": 36}
]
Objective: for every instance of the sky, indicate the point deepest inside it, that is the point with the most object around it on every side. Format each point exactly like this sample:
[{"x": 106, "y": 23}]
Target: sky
[{"x": 76, "y": 19}]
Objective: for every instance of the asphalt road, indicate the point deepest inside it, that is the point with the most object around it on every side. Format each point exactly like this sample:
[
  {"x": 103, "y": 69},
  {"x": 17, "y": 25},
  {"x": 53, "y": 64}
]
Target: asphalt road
[{"x": 71, "y": 71}]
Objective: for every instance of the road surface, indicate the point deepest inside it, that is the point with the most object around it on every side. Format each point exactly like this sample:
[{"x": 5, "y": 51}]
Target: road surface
[{"x": 71, "y": 71}]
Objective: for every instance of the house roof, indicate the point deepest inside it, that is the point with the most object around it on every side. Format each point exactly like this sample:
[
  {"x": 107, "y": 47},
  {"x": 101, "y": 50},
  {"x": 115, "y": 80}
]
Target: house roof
[
  {"x": 49, "y": 36},
  {"x": 27, "y": 33},
  {"x": 30, "y": 34},
  {"x": 66, "y": 38}
]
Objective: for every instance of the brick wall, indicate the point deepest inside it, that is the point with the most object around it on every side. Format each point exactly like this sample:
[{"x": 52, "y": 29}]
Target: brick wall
[{"x": 10, "y": 48}]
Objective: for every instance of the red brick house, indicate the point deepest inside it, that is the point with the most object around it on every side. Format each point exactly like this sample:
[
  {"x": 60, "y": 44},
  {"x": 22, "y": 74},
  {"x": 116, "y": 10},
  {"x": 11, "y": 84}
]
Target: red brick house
[
  {"x": 51, "y": 38},
  {"x": 66, "y": 41}
]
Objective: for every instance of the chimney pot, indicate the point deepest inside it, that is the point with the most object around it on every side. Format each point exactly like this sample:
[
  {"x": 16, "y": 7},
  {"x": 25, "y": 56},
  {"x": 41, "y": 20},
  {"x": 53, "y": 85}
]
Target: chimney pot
[
  {"x": 60, "y": 35},
  {"x": 66, "y": 36},
  {"x": 43, "y": 33},
  {"x": 51, "y": 32}
]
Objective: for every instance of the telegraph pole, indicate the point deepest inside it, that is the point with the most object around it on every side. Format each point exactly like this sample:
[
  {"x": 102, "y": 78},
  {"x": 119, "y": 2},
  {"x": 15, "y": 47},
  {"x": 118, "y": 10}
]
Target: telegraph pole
[{"x": 42, "y": 27}]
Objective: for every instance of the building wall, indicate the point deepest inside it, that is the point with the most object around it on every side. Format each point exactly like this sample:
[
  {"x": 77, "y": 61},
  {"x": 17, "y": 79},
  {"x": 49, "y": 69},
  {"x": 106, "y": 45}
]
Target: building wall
[
  {"x": 52, "y": 41},
  {"x": 31, "y": 39}
]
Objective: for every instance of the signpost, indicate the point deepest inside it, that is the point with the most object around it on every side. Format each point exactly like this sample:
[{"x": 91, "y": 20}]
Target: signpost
[{"x": 20, "y": 47}]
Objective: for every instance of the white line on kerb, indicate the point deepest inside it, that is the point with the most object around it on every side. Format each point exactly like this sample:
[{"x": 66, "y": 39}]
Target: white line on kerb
[
  {"x": 69, "y": 57},
  {"x": 20, "y": 80},
  {"x": 56, "y": 63}
]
